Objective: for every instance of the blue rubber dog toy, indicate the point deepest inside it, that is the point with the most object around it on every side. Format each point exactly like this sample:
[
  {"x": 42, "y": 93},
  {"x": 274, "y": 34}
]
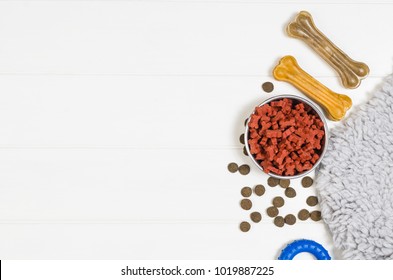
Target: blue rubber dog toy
[{"x": 304, "y": 245}]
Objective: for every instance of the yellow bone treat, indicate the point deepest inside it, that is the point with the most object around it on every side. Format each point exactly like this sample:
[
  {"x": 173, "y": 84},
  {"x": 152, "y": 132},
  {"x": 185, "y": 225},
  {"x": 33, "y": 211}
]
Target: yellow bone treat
[
  {"x": 351, "y": 72},
  {"x": 335, "y": 105}
]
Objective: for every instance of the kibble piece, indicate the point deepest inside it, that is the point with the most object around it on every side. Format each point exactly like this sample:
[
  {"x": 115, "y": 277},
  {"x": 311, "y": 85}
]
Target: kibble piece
[
  {"x": 245, "y": 122},
  {"x": 284, "y": 183},
  {"x": 279, "y": 221},
  {"x": 256, "y": 217},
  {"x": 267, "y": 87},
  {"x": 245, "y": 226},
  {"x": 290, "y": 219},
  {"x": 245, "y": 151},
  {"x": 290, "y": 192},
  {"x": 259, "y": 190},
  {"x": 232, "y": 167},
  {"x": 246, "y": 204},
  {"x": 315, "y": 215},
  {"x": 307, "y": 182},
  {"x": 241, "y": 138},
  {"x": 244, "y": 169},
  {"x": 272, "y": 181},
  {"x": 246, "y": 191},
  {"x": 278, "y": 201},
  {"x": 272, "y": 211},
  {"x": 312, "y": 200},
  {"x": 303, "y": 214}
]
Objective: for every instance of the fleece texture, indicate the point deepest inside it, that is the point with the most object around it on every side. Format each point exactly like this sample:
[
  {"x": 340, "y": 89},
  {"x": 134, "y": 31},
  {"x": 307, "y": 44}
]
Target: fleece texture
[{"x": 355, "y": 180}]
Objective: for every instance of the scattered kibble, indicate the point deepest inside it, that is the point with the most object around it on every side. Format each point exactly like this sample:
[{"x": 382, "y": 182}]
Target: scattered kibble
[
  {"x": 232, "y": 167},
  {"x": 246, "y": 204},
  {"x": 245, "y": 151},
  {"x": 284, "y": 183},
  {"x": 259, "y": 190},
  {"x": 290, "y": 192},
  {"x": 272, "y": 211},
  {"x": 256, "y": 217},
  {"x": 290, "y": 219},
  {"x": 303, "y": 214},
  {"x": 244, "y": 169},
  {"x": 245, "y": 226},
  {"x": 315, "y": 216},
  {"x": 272, "y": 181},
  {"x": 267, "y": 87},
  {"x": 312, "y": 200},
  {"x": 278, "y": 201},
  {"x": 279, "y": 221},
  {"x": 246, "y": 191},
  {"x": 307, "y": 182},
  {"x": 241, "y": 139}
]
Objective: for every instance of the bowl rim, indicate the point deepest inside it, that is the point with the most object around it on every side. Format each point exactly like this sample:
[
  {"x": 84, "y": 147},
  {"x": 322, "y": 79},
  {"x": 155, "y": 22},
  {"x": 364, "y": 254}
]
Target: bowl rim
[{"x": 319, "y": 113}]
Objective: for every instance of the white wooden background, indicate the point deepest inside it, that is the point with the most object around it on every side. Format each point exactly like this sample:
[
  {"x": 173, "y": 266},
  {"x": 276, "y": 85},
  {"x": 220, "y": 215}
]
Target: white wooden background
[{"x": 118, "y": 119}]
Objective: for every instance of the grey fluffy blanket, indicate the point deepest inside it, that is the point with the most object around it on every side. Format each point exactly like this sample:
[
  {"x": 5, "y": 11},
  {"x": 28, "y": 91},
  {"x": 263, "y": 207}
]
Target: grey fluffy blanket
[{"x": 355, "y": 180}]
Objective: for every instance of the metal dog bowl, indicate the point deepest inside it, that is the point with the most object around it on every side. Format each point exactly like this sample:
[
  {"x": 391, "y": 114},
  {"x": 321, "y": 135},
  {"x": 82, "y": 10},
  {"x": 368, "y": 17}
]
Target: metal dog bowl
[{"x": 324, "y": 142}]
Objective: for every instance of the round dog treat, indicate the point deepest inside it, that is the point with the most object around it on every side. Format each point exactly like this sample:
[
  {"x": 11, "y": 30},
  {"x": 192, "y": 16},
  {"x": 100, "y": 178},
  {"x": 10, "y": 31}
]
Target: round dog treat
[
  {"x": 279, "y": 221},
  {"x": 272, "y": 211},
  {"x": 232, "y": 167},
  {"x": 259, "y": 190},
  {"x": 272, "y": 181},
  {"x": 245, "y": 226},
  {"x": 267, "y": 87},
  {"x": 312, "y": 200},
  {"x": 284, "y": 183},
  {"x": 245, "y": 151},
  {"x": 256, "y": 217},
  {"x": 290, "y": 219},
  {"x": 241, "y": 138},
  {"x": 246, "y": 204},
  {"x": 244, "y": 169},
  {"x": 290, "y": 192},
  {"x": 278, "y": 201},
  {"x": 315, "y": 215},
  {"x": 303, "y": 214},
  {"x": 246, "y": 191},
  {"x": 307, "y": 182}
]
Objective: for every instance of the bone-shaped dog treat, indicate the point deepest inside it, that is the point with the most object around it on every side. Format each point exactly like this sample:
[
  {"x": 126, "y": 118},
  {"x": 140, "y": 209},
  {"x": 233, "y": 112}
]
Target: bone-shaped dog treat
[
  {"x": 350, "y": 71},
  {"x": 335, "y": 105}
]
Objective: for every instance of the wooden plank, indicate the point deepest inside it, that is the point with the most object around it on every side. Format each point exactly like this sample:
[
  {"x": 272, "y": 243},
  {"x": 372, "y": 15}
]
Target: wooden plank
[{"x": 174, "y": 38}]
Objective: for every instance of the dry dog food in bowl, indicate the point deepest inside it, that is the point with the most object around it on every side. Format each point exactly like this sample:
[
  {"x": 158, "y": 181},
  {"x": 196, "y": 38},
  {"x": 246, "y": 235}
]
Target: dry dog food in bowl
[{"x": 286, "y": 136}]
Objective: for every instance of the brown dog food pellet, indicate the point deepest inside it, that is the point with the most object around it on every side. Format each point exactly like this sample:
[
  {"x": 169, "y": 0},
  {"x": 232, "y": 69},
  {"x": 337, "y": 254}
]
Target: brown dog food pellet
[
  {"x": 272, "y": 181},
  {"x": 246, "y": 191},
  {"x": 272, "y": 211},
  {"x": 245, "y": 122},
  {"x": 307, "y": 182},
  {"x": 267, "y": 87},
  {"x": 315, "y": 215},
  {"x": 303, "y": 214},
  {"x": 279, "y": 221},
  {"x": 256, "y": 217},
  {"x": 244, "y": 169},
  {"x": 245, "y": 226},
  {"x": 290, "y": 192},
  {"x": 246, "y": 204},
  {"x": 241, "y": 138},
  {"x": 290, "y": 219},
  {"x": 312, "y": 200},
  {"x": 284, "y": 183},
  {"x": 259, "y": 190},
  {"x": 245, "y": 151},
  {"x": 232, "y": 167},
  {"x": 278, "y": 201}
]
